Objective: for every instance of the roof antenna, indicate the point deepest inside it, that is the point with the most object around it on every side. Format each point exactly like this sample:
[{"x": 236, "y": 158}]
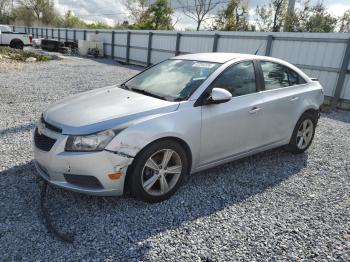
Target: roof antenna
[{"x": 257, "y": 50}]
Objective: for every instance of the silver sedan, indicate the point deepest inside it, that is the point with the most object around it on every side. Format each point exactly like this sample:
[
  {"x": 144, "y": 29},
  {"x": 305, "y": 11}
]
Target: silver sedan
[{"x": 183, "y": 115}]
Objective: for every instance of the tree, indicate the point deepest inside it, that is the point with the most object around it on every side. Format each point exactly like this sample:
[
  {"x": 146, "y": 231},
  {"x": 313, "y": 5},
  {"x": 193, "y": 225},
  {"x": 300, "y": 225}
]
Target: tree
[
  {"x": 42, "y": 10},
  {"x": 5, "y": 16},
  {"x": 70, "y": 20},
  {"x": 123, "y": 25},
  {"x": 158, "y": 17},
  {"x": 23, "y": 15},
  {"x": 270, "y": 17},
  {"x": 296, "y": 21},
  {"x": 234, "y": 17},
  {"x": 3, "y": 6},
  {"x": 263, "y": 19},
  {"x": 345, "y": 22},
  {"x": 99, "y": 25},
  {"x": 309, "y": 18},
  {"x": 138, "y": 10},
  {"x": 320, "y": 20},
  {"x": 48, "y": 13},
  {"x": 36, "y": 6},
  {"x": 199, "y": 11},
  {"x": 279, "y": 7}
]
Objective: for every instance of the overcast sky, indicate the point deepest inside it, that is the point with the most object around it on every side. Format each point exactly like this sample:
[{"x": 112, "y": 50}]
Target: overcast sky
[{"x": 111, "y": 11}]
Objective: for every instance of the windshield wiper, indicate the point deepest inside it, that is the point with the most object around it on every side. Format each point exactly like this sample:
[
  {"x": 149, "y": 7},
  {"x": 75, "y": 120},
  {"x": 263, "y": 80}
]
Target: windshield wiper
[
  {"x": 144, "y": 92},
  {"x": 124, "y": 86}
]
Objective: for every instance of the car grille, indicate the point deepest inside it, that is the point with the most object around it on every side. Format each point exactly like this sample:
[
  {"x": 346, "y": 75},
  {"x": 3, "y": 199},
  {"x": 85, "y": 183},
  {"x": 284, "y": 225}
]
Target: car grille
[
  {"x": 43, "y": 142},
  {"x": 83, "y": 181},
  {"x": 49, "y": 126}
]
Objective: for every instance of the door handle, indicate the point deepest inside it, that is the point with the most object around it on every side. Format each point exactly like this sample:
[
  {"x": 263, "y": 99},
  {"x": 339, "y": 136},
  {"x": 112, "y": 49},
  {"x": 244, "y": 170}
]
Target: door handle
[
  {"x": 255, "y": 110},
  {"x": 294, "y": 99}
]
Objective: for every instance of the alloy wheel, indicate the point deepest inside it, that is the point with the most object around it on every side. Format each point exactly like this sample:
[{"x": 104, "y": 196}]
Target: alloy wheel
[
  {"x": 305, "y": 133},
  {"x": 161, "y": 172}
]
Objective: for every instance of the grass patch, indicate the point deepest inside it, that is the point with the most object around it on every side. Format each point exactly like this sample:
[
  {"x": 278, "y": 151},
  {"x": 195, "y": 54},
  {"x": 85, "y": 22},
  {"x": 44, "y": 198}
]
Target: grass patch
[{"x": 22, "y": 55}]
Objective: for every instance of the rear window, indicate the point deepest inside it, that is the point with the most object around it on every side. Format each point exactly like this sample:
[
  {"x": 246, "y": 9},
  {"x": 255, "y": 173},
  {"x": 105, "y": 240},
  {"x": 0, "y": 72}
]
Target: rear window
[{"x": 279, "y": 76}]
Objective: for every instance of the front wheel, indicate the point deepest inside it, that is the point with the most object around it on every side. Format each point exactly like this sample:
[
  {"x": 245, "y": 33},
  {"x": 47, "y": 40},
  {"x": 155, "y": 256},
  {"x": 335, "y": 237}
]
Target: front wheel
[
  {"x": 303, "y": 134},
  {"x": 158, "y": 171}
]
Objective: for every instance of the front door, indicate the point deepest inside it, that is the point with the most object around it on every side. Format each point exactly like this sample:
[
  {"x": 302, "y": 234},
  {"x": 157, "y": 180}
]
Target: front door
[{"x": 233, "y": 127}]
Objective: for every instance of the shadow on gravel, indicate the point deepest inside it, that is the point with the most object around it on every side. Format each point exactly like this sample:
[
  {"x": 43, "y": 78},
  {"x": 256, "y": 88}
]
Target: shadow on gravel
[
  {"x": 17, "y": 129},
  {"x": 122, "y": 228}
]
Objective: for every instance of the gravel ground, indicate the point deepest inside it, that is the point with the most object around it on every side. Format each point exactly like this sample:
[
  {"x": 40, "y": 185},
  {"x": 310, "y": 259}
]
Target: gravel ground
[
  {"x": 7, "y": 65},
  {"x": 272, "y": 206}
]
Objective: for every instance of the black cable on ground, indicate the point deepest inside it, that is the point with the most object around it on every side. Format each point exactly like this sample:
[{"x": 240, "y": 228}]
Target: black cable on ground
[{"x": 67, "y": 237}]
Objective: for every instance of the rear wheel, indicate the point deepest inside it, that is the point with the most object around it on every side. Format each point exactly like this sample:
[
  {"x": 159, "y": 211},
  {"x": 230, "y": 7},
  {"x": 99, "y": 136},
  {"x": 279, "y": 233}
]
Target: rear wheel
[
  {"x": 303, "y": 134},
  {"x": 158, "y": 171}
]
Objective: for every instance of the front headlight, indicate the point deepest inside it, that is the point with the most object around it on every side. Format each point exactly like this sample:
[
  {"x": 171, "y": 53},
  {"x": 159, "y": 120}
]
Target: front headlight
[{"x": 94, "y": 142}]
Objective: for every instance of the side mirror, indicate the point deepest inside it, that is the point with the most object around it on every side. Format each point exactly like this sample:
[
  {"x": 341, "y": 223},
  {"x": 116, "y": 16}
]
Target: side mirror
[{"x": 218, "y": 96}]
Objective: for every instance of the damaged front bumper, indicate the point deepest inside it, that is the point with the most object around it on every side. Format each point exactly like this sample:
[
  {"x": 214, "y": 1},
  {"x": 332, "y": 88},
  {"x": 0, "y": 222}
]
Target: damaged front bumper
[{"x": 84, "y": 172}]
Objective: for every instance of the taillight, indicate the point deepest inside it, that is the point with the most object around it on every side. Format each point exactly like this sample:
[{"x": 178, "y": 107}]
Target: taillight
[{"x": 30, "y": 39}]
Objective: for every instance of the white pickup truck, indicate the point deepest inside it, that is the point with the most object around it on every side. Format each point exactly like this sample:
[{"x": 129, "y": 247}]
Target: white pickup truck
[{"x": 12, "y": 39}]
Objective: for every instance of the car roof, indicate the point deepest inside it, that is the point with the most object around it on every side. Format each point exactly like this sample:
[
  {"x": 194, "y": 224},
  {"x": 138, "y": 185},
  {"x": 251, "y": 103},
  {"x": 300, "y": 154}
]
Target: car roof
[
  {"x": 215, "y": 57},
  {"x": 225, "y": 57}
]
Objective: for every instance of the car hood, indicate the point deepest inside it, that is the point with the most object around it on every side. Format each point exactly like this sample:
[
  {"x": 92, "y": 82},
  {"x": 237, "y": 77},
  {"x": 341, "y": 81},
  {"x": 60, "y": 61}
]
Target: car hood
[{"x": 103, "y": 108}]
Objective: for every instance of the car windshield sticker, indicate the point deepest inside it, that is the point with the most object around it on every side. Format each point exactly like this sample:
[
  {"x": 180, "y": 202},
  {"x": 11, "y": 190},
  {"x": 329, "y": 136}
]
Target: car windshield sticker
[
  {"x": 203, "y": 65},
  {"x": 199, "y": 78}
]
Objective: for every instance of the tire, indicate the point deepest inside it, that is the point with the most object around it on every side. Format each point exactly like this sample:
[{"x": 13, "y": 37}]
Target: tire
[
  {"x": 147, "y": 179},
  {"x": 17, "y": 45},
  {"x": 303, "y": 134}
]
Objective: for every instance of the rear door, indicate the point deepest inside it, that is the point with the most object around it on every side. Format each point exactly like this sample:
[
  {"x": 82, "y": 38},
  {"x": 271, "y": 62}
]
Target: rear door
[
  {"x": 233, "y": 127},
  {"x": 282, "y": 95}
]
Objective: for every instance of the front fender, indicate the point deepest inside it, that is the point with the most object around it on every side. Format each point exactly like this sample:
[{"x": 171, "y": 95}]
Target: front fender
[{"x": 183, "y": 124}]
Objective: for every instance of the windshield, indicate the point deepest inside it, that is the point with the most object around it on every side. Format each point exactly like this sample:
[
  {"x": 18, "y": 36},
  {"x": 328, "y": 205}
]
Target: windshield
[{"x": 172, "y": 80}]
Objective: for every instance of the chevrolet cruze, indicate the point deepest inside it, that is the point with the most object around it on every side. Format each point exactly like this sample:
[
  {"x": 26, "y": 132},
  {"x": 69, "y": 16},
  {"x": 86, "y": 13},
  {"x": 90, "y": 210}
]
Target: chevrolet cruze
[{"x": 183, "y": 115}]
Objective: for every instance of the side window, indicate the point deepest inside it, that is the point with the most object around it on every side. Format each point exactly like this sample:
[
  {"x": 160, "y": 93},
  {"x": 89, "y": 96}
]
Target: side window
[
  {"x": 238, "y": 79},
  {"x": 278, "y": 76},
  {"x": 4, "y": 29},
  {"x": 294, "y": 78}
]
